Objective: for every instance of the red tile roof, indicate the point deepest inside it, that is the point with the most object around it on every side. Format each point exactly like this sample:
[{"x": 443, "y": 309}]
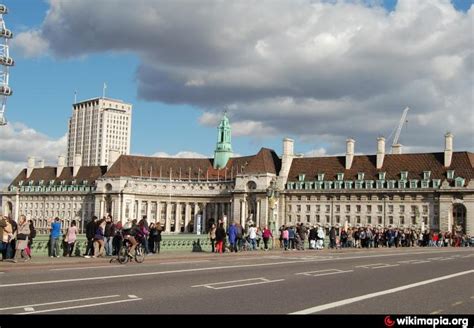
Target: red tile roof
[
  {"x": 462, "y": 163},
  {"x": 89, "y": 173}
]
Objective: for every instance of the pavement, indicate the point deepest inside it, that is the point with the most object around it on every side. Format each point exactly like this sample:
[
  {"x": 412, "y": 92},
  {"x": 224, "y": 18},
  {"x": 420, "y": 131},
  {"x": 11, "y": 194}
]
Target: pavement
[{"x": 349, "y": 281}]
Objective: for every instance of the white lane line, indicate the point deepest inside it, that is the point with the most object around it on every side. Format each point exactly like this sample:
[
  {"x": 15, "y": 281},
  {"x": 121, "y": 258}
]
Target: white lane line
[
  {"x": 81, "y": 306},
  {"x": 434, "y": 258},
  {"x": 446, "y": 258},
  {"x": 323, "y": 272},
  {"x": 59, "y": 302},
  {"x": 91, "y": 267},
  {"x": 376, "y": 265},
  {"x": 323, "y": 307},
  {"x": 413, "y": 261},
  {"x": 198, "y": 269},
  {"x": 240, "y": 283},
  {"x": 178, "y": 262},
  {"x": 29, "y": 309},
  {"x": 436, "y": 312},
  {"x": 456, "y": 303}
]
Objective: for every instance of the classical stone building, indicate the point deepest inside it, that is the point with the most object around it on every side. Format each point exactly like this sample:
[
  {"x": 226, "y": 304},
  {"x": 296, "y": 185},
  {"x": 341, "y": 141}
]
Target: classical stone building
[{"x": 428, "y": 190}]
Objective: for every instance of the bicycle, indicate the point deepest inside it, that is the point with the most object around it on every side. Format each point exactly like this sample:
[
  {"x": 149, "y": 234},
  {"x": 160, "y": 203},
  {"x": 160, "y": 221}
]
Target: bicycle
[{"x": 124, "y": 255}]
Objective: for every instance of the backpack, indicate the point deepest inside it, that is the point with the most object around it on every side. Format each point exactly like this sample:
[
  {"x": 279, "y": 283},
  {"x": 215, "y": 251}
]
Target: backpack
[{"x": 33, "y": 233}]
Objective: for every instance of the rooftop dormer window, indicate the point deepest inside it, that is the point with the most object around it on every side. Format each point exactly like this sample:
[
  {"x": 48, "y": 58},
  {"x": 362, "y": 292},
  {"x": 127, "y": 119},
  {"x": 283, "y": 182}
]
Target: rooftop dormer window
[
  {"x": 459, "y": 182},
  {"x": 426, "y": 175},
  {"x": 450, "y": 174},
  {"x": 20, "y": 183},
  {"x": 381, "y": 175},
  {"x": 404, "y": 175},
  {"x": 320, "y": 176},
  {"x": 301, "y": 177},
  {"x": 360, "y": 176},
  {"x": 340, "y": 176}
]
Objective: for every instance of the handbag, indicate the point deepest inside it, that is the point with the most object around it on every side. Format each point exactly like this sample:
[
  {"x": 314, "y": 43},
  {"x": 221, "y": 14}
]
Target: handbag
[{"x": 21, "y": 236}]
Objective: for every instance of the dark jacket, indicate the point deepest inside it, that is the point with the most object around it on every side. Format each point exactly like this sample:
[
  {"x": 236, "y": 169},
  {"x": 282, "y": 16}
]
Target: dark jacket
[
  {"x": 90, "y": 230},
  {"x": 220, "y": 234}
]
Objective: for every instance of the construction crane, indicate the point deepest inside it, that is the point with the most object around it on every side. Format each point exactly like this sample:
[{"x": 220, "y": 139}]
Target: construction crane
[{"x": 399, "y": 128}]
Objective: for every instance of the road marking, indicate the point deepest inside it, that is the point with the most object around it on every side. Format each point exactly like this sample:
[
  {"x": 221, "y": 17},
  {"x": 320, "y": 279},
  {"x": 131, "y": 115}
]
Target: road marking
[
  {"x": 257, "y": 281},
  {"x": 436, "y": 312},
  {"x": 132, "y": 296},
  {"x": 413, "y": 261},
  {"x": 434, "y": 258},
  {"x": 323, "y": 272},
  {"x": 177, "y": 262},
  {"x": 81, "y": 306},
  {"x": 59, "y": 302},
  {"x": 324, "y": 307},
  {"x": 90, "y": 267},
  {"x": 29, "y": 309},
  {"x": 376, "y": 265},
  {"x": 472, "y": 297},
  {"x": 457, "y": 303},
  {"x": 199, "y": 269},
  {"x": 446, "y": 258},
  {"x": 469, "y": 255}
]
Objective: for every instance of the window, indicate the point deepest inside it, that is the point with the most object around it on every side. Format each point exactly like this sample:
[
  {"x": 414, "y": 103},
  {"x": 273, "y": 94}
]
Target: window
[
  {"x": 298, "y": 208},
  {"x": 318, "y": 219},
  {"x": 289, "y": 218},
  {"x": 308, "y": 218},
  {"x": 379, "y": 219},
  {"x": 340, "y": 176},
  {"x": 436, "y": 183},
  {"x": 425, "y": 220},
  {"x": 381, "y": 175},
  {"x": 390, "y": 208},
  {"x": 358, "y": 207},
  {"x": 348, "y": 185},
  {"x": 338, "y": 219},
  {"x": 369, "y": 208},
  {"x": 426, "y": 175},
  {"x": 308, "y": 208},
  {"x": 327, "y": 218},
  {"x": 328, "y": 208},
  {"x": 360, "y": 176},
  {"x": 301, "y": 177},
  {"x": 390, "y": 219},
  {"x": 379, "y": 208},
  {"x": 402, "y": 184},
  {"x": 369, "y": 219},
  {"x": 402, "y": 208},
  {"x": 348, "y": 218},
  {"x": 337, "y": 184},
  {"x": 450, "y": 174},
  {"x": 425, "y": 208},
  {"x": 402, "y": 220},
  {"x": 369, "y": 184},
  {"x": 413, "y": 220},
  {"x": 318, "y": 208},
  {"x": 413, "y": 183},
  {"x": 289, "y": 208},
  {"x": 348, "y": 208},
  {"x": 358, "y": 219},
  {"x": 391, "y": 184},
  {"x": 327, "y": 185},
  {"x": 359, "y": 184},
  {"x": 403, "y": 175},
  {"x": 425, "y": 184},
  {"x": 414, "y": 209},
  {"x": 459, "y": 182},
  {"x": 338, "y": 208},
  {"x": 320, "y": 176}
]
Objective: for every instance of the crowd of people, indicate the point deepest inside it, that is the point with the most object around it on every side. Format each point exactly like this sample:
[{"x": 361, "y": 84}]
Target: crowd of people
[{"x": 297, "y": 237}]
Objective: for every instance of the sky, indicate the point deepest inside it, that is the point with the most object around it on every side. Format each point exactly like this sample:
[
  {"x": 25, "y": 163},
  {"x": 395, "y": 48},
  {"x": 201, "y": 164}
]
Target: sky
[{"x": 316, "y": 71}]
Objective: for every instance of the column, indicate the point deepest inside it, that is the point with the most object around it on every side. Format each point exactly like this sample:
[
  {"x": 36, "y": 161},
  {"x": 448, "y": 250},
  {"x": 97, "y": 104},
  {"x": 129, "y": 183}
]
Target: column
[
  {"x": 148, "y": 210},
  {"x": 178, "y": 218},
  {"x": 257, "y": 214},
  {"x": 196, "y": 209},
  {"x": 101, "y": 213},
  {"x": 187, "y": 214},
  {"x": 17, "y": 207},
  {"x": 266, "y": 211},
  {"x": 168, "y": 217},
  {"x": 204, "y": 218},
  {"x": 243, "y": 213},
  {"x": 158, "y": 211}
]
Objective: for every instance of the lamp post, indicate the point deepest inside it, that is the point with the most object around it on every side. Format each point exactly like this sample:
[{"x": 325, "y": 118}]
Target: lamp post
[{"x": 272, "y": 193}]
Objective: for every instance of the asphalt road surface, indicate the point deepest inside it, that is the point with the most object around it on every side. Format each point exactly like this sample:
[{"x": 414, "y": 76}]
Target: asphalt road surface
[{"x": 376, "y": 281}]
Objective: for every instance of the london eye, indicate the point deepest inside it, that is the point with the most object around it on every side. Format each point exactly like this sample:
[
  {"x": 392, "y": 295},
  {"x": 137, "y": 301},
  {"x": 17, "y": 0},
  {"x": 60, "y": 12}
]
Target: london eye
[{"x": 6, "y": 62}]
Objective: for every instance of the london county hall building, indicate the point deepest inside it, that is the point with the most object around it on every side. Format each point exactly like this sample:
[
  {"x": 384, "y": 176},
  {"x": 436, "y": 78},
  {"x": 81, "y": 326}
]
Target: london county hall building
[{"x": 424, "y": 190}]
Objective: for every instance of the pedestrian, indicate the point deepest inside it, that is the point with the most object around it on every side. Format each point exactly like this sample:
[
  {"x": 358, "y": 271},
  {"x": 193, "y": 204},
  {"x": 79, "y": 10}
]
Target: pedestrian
[
  {"x": 212, "y": 236},
  {"x": 109, "y": 234},
  {"x": 91, "y": 227},
  {"x": 71, "y": 236},
  {"x": 55, "y": 232},
  {"x": 220, "y": 238},
  {"x": 99, "y": 239},
  {"x": 30, "y": 238},
  {"x": 22, "y": 239},
  {"x": 266, "y": 235},
  {"x": 5, "y": 234}
]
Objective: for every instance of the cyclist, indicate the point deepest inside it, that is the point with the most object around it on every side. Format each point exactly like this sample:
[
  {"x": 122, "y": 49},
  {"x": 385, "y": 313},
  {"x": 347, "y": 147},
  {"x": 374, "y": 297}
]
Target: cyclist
[{"x": 132, "y": 233}]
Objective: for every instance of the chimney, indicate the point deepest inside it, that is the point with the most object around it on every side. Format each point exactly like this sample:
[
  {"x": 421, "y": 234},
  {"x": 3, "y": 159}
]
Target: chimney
[
  {"x": 41, "y": 164},
  {"x": 61, "y": 165},
  {"x": 380, "y": 151},
  {"x": 397, "y": 149},
  {"x": 286, "y": 160},
  {"x": 113, "y": 157},
  {"x": 77, "y": 164},
  {"x": 31, "y": 166},
  {"x": 349, "y": 152},
  {"x": 448, "y": 149}
]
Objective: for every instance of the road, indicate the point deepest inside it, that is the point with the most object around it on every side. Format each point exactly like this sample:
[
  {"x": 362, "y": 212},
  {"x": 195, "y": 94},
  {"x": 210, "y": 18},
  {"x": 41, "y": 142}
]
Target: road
[{"x": 376, "y": 281}]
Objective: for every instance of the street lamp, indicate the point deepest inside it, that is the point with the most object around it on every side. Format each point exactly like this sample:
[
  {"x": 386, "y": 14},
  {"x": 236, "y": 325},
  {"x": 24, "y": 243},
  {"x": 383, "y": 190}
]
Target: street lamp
[{"x": 272, "y": 193}]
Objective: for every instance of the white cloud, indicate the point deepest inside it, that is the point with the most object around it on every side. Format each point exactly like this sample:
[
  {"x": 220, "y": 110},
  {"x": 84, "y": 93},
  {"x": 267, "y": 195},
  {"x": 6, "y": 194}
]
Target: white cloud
[
  {"x": 316, "y": 152},
  {"x": 19, "y": 142},
  {"x": 181, "y": 154},
  {"x": 316, "y": 70},
  {"x": 30, "y": 44}
]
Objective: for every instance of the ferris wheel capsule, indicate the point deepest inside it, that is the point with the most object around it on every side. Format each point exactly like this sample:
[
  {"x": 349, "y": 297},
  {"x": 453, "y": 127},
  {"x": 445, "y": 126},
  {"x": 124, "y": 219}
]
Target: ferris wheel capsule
[
  {"x": 7, "y": 61},
  {"x": 3, "y": 9},
  {"x": 5, "y": 90},
  {"x": 6, "y": 33}
]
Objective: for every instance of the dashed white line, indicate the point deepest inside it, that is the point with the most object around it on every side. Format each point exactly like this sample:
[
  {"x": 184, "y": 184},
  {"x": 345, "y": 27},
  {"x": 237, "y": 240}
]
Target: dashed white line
[
  {"x": 456, "y": 303},
  {"x": 238, "y": 283},
  {"x": 90, "y": 267},
  {"x": 177, "y": 262},
  {"x": 323, "y": 272},
  {"x": 324, "y": 307},
  {"x": 376, "y": 266},
  {"x": 29, "y": 309},
  {"x": 59, "y": 302}
]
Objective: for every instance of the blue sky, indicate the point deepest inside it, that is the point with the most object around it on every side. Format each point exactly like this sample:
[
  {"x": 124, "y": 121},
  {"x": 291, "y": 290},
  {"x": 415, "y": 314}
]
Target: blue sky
[{"x": 274, "y": 98}]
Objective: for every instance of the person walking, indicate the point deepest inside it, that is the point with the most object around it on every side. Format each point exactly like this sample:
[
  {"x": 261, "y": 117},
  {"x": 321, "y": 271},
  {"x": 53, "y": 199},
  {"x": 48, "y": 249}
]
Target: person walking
[
  {"x": 22, "y": 239},
  {"x": 266, "y": 235},
  {"x": 55, "y": 232},
  {"x": 99, "y": 239},
  {"x": 6, "y": 232},
  {"x": 30, "y": 238},
  {"x": 91, "y": 227},
  {"x": 71, "y": 236},
  {"x": 212, "y": 236},
  {"x": 109, "y": 234},
  {"x": 220, "y": 238}
]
